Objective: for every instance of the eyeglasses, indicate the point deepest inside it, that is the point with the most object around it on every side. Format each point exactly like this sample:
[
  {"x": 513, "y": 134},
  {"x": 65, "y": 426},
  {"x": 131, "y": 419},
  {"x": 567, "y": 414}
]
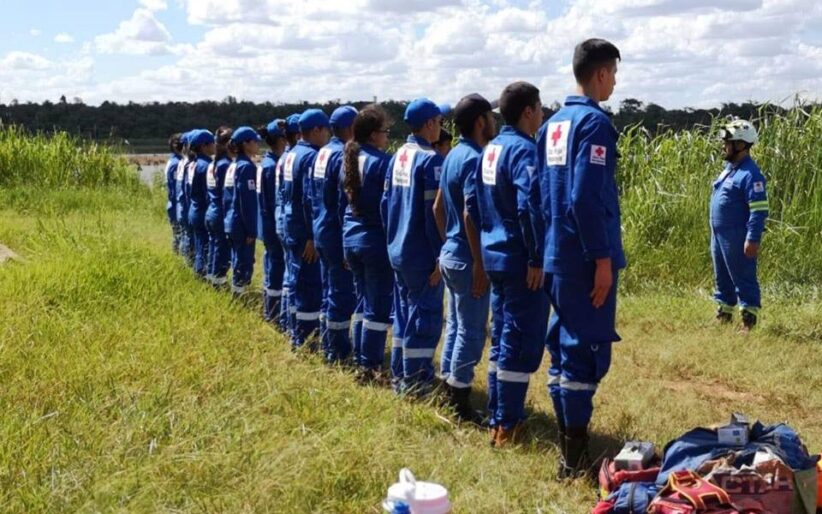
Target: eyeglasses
[{"x": 384, "y": 131}]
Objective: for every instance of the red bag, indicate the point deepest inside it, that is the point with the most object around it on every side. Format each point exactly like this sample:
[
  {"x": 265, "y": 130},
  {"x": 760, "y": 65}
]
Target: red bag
[
  {"x": 603, "y": 507},
  {"x": 687, "y": 493},
  {"x": 610, "y": 479}
]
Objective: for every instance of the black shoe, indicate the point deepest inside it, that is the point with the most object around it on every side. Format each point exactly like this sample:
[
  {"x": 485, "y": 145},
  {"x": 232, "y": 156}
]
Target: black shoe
[
  {"x": 723, "y": 316},
  {"x": 748, "y": 320},
  {"x": 575, "y": 462},
  {"x": 561, "y": 447},
  {"x": 460, "y": 400}
]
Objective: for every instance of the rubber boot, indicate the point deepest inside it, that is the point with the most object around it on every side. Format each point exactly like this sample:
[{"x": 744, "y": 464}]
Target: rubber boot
[
  {"x": 576, "y": 461},
  {"x": 508, "y": 436},
  {"x": 723, "y": 316},
  {"x": 460, "y": 400},
  {"x": 561, "y": 447},
  {"x": 748, "y": 320}
]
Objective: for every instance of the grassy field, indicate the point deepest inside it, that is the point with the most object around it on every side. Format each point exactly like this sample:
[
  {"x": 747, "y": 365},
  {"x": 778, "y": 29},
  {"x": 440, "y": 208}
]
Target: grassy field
[{"x": 129, "y": 386}]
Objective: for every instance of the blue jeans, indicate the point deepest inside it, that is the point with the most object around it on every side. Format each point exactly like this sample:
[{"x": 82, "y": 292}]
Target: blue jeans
[{"x": 465, "y": 337}]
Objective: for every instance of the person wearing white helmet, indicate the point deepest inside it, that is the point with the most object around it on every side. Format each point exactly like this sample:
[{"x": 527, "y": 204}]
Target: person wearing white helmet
[{"x": 739, "y": 208}]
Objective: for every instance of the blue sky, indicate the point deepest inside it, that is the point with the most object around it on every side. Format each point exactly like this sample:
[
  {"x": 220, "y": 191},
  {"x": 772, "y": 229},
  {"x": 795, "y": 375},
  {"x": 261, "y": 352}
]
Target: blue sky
[{"x": 695, "y": 53}]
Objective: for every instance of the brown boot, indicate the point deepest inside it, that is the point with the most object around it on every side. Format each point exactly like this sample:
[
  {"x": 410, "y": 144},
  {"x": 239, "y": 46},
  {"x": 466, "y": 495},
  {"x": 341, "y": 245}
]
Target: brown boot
[
  {"x": 508, "y": 436},
  {"x": 493, "y": 432}
]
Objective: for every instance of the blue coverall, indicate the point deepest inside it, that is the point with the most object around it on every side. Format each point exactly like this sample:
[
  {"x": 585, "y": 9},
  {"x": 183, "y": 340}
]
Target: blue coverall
[
  {"x": 240, "y": 199},
  {"x": 171, "y": 205},
  {"x": 219, "y": 244},
  {"x": 273, "y": 260},
  {"x": 196, "y": 213}
]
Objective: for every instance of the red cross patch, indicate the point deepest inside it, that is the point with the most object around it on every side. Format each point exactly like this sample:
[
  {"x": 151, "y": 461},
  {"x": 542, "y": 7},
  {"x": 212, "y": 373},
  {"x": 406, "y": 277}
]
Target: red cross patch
[{"x": 598, "y": 153}]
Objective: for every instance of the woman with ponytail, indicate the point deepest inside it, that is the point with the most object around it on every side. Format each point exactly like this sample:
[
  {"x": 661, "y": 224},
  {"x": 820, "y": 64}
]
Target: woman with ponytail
[
  {"x": 219, "y": 246},
  {"x": 365, "y": 165}
]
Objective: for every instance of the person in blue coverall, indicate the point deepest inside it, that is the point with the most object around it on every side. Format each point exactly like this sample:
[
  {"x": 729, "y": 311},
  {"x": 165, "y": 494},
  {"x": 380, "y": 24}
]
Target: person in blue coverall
[
  {"x": 181, "y": 190},
  {"x": 739, "y": 208},
  {"x": 460, "y": 258},
  {"x": 365, "y": 165},
  {"x": 328, "y": 205},
  {"x": 202, "y": 145},
  {"x": 414, "y": 245},
  {"x": 273, "y": 261},
  {"x": 507, "y": 208},
  {"x": 287, "y": 307},
  {"x": 175, "y": 146},
  {"x": 240, "y": 199},
  {"x": 583, "y": 246},
  {"x": 219, "y": 244},
  {"x": 305, "y": 282}
]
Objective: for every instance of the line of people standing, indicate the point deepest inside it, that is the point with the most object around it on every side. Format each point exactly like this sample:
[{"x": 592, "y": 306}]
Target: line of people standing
[{"x": 524, "y": 224}]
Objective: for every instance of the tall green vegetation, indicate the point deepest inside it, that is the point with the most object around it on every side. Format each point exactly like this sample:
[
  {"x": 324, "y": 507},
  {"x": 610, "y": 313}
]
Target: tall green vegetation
[
  {"x": 60, "y": 161},
  {"x": 666, "y": 183}
]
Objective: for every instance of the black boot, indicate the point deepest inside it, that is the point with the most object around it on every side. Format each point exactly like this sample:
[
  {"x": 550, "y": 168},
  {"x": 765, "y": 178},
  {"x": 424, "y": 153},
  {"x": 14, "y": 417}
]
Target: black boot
[
  {"x": 748, "y": 320},
  {"x": 576, "y": 461},
  {"x": 460, "y": 399},
  {"x": 561, "y": 447},
  {"x": 723, "y": 316}
]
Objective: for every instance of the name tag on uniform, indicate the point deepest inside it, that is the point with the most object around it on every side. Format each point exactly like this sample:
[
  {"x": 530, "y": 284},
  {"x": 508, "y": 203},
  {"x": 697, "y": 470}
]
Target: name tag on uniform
[
  {"x": 211, "y": 178},
  {"x": 321, "y": 163},
  {"x": 401, "y": 174},
  {"x": 229, "y": 175},
  {"x": 361, "y": 160},
  {"x": 288, "y": 169},
  {"x": 490, "y": 161},
  {"x": 556, "y": 143},
  {"x": 259, "y": 176},
  {"x": 191, "y": 167}
]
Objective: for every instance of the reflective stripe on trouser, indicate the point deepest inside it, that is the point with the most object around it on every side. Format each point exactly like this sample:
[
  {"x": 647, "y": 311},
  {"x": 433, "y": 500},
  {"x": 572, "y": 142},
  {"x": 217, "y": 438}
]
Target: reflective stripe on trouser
[
  {"x": 219, "y": 252},
  {"x": 521, "y": 345},
  {"x": 493, "y": 353},
  {"x": 340, "y": 302},
  {"x": 374, "y": 282},
  {"x": 734, "y": 273},
  {"x": 398, "y": 330},
  {"x": 423, "y": 326},
  {"x": 579, "y": 340},
  {"x": 306, "y": 288},
  {"x": 273, "y": 271},
  {"x": 471, "y": 320},
  {"x": 242, "y": 262}
]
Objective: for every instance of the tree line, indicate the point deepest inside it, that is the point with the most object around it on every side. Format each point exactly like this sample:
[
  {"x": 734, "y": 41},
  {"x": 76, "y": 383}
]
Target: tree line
[{"x": 129, "y": 123}]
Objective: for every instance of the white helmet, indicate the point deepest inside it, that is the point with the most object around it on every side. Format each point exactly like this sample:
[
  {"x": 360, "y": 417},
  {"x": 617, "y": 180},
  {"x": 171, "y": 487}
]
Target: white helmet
[{"x": 739, "y": 130}]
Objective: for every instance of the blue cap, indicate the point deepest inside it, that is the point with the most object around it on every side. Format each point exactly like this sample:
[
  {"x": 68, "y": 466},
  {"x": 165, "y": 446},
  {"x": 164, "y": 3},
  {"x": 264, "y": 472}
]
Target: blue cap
[
  {"x": 421, "y": 110},
  {"x": 243, "y": 134},
  {"x": 274, "y": 127},
  {"x": 201, "y": 137},
  {"x": 186, "y": 137},
  {"x": 343, "y": 117},
  {"x": 445, "y": 109},
  {"x": 292, "y": 124},
  {"x": 313, "y": 118}
]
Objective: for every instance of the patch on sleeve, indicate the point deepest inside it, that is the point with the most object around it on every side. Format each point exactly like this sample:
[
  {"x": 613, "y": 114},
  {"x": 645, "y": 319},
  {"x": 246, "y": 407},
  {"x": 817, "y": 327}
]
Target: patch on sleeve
[
  {"x": 556, "y": 143},
  {"x": 437, "y": 173},
  {"x": 759, "y": 187},
  {"x": 192, "y": 167},
  {"x": 598, "y": 154},
  {"x": 229, "y": 175},
  {"x": 490, "y": 161},
  {"x": 252, "y": 186}
]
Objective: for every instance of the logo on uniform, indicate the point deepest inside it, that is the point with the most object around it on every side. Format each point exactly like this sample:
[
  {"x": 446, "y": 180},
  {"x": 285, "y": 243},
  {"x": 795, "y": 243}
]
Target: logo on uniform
[
  {"x": 361, "y": 160},
  {"x": 490, "y": 161},
  {"x": 288, "y": 170},
  {"x": 192, "y": 166},
  {"x": 437, "y": 173},
  {"x": 252, "y": 186},
  {"x": 229, "y": 175},
  {"x": 598, "y": 153},
  {"x": 259, "y": 176},
  {"x": 401, "y": 174},
  {"x": 556, "y": 143},
  {"x": 211, "y": 177},
  {"x": 322, "y": 163},
  {"x": 180, "y": 172},
  {"x": 759, "y": 187}
]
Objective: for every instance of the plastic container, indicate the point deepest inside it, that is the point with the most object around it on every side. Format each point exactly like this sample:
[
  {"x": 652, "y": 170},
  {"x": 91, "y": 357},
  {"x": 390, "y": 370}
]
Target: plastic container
[{"x": 422, "y": 497}]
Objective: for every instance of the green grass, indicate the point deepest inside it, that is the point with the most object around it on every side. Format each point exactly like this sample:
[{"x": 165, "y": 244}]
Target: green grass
[{"x": 129, "y": 386}]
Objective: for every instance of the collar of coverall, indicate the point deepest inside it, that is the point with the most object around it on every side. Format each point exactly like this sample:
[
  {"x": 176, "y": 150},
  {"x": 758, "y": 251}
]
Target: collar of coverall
[
  {"x": 420, "y": 141},
  {"x": 583, "y": 100},
  {"x": 508, "y": 129},
  {"x": 470, "y": 142}
]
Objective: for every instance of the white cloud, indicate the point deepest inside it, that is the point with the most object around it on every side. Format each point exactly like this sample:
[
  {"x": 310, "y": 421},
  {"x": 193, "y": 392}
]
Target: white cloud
[
  {"x": 154, "y": 5},
  {"x": 32, "y": 77},
  {"x": 699, "y": 53},
  {"x": 64, "y": 38},
  {"x": 35, "y": 32},
  {"x": 142, "y": 34}
]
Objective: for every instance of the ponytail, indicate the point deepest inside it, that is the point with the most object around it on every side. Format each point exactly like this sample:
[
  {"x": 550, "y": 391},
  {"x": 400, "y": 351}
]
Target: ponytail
[
  {"x": 351, "y": 181},
  {"x": 370, "y": 119}
]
